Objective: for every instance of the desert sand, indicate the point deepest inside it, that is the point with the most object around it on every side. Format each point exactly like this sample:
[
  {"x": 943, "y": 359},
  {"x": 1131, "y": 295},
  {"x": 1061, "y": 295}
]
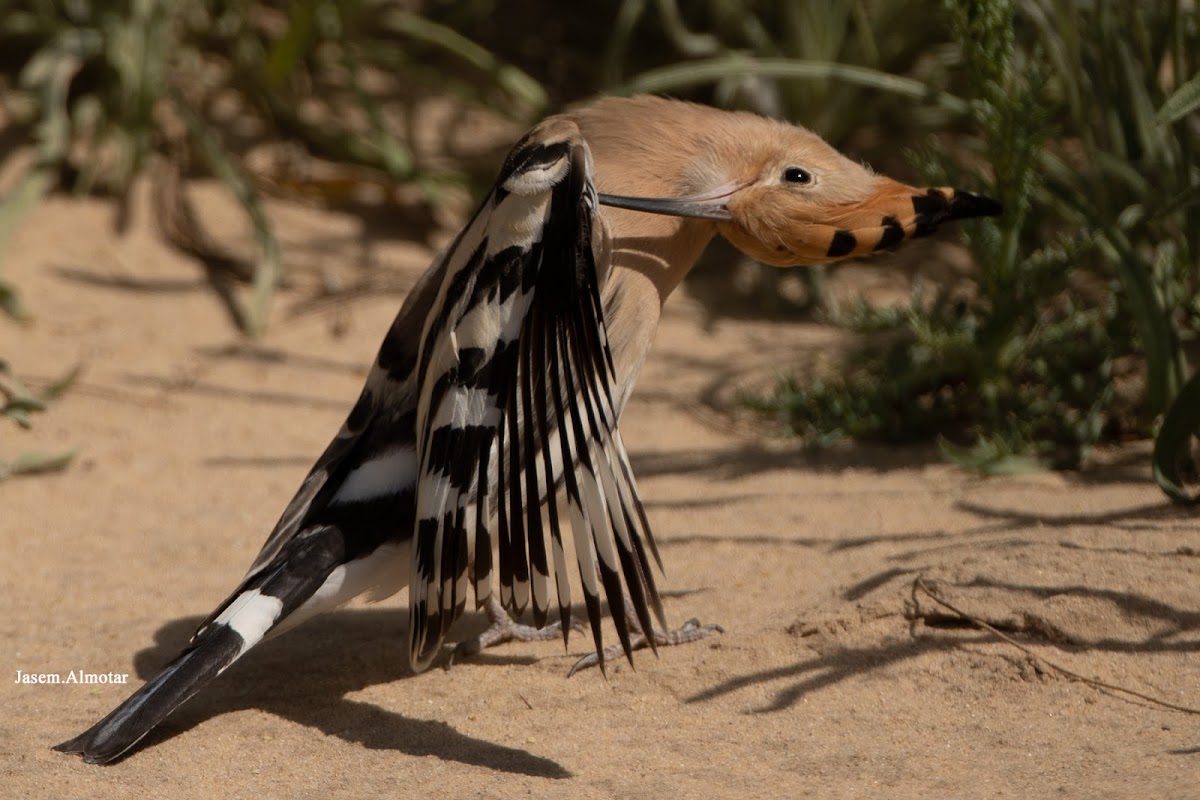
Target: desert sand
[{"x": 834, "y": 679}]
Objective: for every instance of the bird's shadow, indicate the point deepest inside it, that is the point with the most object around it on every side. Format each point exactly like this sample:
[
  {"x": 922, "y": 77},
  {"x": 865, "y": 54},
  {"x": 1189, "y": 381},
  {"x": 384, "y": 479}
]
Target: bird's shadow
[{"x": 305, "y": 675}]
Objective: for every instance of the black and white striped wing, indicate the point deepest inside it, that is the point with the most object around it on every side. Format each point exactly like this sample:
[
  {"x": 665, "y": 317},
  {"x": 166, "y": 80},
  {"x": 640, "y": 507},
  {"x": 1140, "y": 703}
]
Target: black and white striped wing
[{"x": 516, "y": 401}]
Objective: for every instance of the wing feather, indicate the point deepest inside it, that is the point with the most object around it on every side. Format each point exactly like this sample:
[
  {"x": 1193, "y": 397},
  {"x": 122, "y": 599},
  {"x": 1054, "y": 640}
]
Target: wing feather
[
  {"x": 530, "y": 412},
  {"x": 551, "y": 471},
  {"x": 483, "y": 535},
  {"x": 516, "y": 512},
  {"x": 539, "y": 572}
]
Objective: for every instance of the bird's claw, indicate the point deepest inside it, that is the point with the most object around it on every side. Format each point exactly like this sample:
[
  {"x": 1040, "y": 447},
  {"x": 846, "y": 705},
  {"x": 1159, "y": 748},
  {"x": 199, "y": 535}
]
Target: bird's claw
[
  {"x": 690, "y": 631},
  {"x": 504, "y": 629}
]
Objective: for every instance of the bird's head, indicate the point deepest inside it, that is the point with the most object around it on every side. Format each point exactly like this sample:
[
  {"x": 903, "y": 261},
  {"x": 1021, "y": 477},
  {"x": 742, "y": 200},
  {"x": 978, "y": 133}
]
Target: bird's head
[{"x": 779, "y": 192}]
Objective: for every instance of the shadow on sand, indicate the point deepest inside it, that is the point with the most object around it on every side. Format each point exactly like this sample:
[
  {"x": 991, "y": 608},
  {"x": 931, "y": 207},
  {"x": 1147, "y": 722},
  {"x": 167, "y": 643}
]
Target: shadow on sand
[
  {"x": 1159, "y": 627},
  {"x": 1178, "y": 631},
  {"x": 305, "y": 675}
]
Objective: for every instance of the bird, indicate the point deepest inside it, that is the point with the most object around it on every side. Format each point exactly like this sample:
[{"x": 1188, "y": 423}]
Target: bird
[{"x": 491, "y": 411}]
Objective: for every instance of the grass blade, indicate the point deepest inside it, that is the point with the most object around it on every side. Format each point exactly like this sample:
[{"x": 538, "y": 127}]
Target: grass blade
[
  {"x": 516, "y": 82},
  {"x": 267, "y": 271},
  {"x": 36, "y": 463},
  {"x": 1183, "y": 101},
  {"x": 702, "y": 71},
  {"x": 34, "y": 185},
  {"x": 1172, "y": 448}
]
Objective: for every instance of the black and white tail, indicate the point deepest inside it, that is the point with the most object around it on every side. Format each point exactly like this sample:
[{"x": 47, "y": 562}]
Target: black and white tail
[{"x": 256, "y": 609}]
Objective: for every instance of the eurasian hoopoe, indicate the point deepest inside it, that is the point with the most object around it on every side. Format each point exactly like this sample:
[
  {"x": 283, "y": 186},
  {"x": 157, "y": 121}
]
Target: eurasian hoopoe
[{"x": 498, "y": 388}]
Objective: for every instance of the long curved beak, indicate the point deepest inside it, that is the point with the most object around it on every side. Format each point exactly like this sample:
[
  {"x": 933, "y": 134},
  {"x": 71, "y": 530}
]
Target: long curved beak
[{"x": 706, "y": 205}]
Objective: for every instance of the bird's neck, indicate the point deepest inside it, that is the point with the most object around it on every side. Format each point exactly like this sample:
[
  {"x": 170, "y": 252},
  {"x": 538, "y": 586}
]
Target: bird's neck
[
  {"x": 660, "y": 249},
  {"x": 643, "y": 258}
]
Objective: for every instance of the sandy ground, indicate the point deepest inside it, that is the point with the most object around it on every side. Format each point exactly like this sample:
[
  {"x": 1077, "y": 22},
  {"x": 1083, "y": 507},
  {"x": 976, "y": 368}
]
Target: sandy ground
[{"x": 822, "y": 686}]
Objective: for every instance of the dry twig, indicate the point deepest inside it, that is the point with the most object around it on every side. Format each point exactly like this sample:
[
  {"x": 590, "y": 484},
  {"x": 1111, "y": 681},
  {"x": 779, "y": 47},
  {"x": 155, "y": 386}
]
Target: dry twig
[{"x": 919, "y": 584}]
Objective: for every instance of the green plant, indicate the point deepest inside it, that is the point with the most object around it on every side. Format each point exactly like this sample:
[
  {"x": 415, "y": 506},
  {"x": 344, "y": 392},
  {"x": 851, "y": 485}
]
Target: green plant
[
  {"x": 18, "y": 402},
  {"x": 1094, "y": 261},
  {"x": 1173, "y": 457},
  {"x": 104, "y": 86}
]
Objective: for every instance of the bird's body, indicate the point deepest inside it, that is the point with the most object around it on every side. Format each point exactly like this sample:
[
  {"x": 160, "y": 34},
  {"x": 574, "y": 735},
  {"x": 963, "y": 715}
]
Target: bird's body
[{"x": 497, "y": 390}]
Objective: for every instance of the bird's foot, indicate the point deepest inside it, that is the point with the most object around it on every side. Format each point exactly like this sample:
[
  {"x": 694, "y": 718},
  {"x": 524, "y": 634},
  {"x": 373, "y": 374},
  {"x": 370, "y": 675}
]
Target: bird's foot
[
  {"x": 505, "y": 629},
  {"x": 691, "y": 631}
]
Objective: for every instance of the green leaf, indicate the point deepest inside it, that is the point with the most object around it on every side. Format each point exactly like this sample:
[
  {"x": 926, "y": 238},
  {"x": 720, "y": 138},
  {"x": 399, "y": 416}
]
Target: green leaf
[
  {"x": 1172, "y": 448},
  {"x": 15, "y": 393},
  {"x": 295, "y": 44},
  {"x": 36, "y": 463},
  {"x": 56, "y": 389},
  {"x": 990, "y": 456},
  {"x": 19, "y": 400},
  {"x": 1183, "y": 101},
  {"x": 34, "y": 185},
  {"x": 710, "y": 70},
  {"x": 513, "y": 80},
  {"x": 10, "y": 302},
  {"x": 225, "y": 168},
  {"x": 397, "y": 158},
  {"x": 18, "y": 414}
]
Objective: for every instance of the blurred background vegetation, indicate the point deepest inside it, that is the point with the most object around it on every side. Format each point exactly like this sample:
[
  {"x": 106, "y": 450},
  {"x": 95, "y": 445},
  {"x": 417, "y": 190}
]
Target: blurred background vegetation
[{"x": 1075, "y": 323}]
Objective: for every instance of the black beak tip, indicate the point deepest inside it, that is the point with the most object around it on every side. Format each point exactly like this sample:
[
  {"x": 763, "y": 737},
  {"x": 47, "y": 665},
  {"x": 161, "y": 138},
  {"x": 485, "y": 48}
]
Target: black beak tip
[{"x": 965, "y": 205}]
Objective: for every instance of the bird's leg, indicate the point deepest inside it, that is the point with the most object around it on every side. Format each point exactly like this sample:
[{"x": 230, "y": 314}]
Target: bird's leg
[
  {"x": 505, "y": 629},
  {"x": 690, "y": 631}
]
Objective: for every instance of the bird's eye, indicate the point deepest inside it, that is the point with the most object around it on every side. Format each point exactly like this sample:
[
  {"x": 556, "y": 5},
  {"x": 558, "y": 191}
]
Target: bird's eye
[{"x": 797, "y": 175}]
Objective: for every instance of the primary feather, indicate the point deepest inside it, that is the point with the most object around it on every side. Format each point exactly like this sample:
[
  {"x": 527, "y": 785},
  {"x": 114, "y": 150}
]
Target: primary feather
[{"x": 517, "y": 381}]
